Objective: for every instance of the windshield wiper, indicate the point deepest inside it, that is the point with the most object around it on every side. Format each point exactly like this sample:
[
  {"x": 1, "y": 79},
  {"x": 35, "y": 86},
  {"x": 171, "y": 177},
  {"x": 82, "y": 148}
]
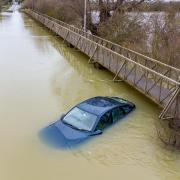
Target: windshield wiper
[
  {"x": 74, "y": 127},
  {"x": 82, "y": 130},
  {"x": 70, "y": 125}
]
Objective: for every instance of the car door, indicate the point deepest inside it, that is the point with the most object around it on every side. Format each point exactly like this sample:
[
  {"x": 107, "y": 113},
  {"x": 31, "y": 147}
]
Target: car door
[
  {"x": 105, "y": 121},
  {"x": 117, "y": 113}
]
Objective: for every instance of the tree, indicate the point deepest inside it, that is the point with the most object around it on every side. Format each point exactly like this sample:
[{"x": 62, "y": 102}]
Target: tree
[
  {"x": 166, "y": 41},
  {"x": 117, "y": 6}
]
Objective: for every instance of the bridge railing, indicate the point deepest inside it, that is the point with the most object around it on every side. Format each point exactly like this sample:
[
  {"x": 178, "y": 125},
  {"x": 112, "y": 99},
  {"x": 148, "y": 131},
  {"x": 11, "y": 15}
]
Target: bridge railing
[{"x": 156, "y": 65}]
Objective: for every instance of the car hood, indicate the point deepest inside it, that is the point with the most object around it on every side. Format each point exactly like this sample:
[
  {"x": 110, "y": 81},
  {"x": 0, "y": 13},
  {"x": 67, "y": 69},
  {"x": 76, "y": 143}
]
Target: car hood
[
  {"x": 70, "y": 133},
  {"x": 58, "y": 135}
]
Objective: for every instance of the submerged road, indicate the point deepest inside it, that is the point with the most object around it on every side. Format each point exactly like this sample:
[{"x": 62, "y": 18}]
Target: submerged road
[{"x": 40, "y": 79}]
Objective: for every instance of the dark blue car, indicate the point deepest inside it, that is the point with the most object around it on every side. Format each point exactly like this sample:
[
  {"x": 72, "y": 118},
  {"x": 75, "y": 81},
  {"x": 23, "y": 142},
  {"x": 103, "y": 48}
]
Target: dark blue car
[{"x": 87, "y": 119}]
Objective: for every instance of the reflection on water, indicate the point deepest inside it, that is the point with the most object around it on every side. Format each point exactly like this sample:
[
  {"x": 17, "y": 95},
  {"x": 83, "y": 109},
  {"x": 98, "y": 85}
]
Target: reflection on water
[{"x": 40, "y": 79}]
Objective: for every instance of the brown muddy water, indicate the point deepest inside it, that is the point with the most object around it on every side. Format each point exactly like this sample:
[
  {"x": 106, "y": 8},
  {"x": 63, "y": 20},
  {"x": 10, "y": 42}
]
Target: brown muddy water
[{"x": 41, "y": 78}]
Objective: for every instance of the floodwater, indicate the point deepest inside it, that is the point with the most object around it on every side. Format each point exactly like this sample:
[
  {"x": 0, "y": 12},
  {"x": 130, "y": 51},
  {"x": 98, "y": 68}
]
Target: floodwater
[{"x": 40, "y": 78}]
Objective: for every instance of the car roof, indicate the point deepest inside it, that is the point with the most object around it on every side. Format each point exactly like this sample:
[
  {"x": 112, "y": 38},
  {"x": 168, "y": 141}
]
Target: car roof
[{"x": 99, "y": 105}]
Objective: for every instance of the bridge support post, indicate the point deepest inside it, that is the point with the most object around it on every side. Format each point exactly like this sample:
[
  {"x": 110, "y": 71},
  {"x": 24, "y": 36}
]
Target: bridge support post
[
  {"x": 90, "y": 59},
  {"x": 66, "y": 37},
  {"x": 172, "y": 113},
  {"x": 117, "y": 74},
  {"x": 77, "y": 42},
  {"x": 173, "y": 103}
]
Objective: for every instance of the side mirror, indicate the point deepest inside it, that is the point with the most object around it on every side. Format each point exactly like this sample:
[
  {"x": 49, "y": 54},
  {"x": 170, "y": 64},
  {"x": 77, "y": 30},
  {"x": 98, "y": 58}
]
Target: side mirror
[
  {"x": 62, "y": 116},
  {"x": 97, "y": 132}
]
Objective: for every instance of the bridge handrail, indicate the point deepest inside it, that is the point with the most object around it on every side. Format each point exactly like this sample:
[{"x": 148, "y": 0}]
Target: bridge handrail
[{"x": 114, "y": 44}]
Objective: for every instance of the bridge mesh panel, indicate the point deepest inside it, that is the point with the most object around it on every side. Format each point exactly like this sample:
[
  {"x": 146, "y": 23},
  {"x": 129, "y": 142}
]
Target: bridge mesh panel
[{"x": 174, "y": 110}]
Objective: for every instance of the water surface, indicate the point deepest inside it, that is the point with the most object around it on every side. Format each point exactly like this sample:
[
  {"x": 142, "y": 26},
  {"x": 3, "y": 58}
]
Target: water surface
[{"x": 40, "y": 78}]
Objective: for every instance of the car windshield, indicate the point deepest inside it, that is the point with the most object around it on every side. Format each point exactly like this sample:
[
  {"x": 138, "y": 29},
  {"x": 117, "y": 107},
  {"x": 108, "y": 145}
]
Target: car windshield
[{"x": 80, "y": 119}]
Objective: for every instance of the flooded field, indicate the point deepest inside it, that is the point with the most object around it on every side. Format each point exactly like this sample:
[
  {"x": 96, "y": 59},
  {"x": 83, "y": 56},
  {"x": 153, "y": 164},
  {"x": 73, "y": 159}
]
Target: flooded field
[{"x": 40, "y": 78}]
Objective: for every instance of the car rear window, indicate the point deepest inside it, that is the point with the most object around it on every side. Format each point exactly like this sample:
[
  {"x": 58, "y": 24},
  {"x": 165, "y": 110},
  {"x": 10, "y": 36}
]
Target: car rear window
[{"x": 100, "y": 102}]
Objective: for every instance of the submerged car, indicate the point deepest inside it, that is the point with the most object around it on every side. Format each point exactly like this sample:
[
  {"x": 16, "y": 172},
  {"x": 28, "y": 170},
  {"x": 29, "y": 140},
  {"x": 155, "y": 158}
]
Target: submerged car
[{"x": 90, "y": 118}]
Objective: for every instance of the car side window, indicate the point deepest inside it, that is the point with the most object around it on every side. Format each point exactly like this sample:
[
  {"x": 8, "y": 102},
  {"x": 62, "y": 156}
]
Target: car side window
[
  {"x": 127, "y": 109},
  {"x": 117, "y": 113},
  {"x": 105, "y": 121}
]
